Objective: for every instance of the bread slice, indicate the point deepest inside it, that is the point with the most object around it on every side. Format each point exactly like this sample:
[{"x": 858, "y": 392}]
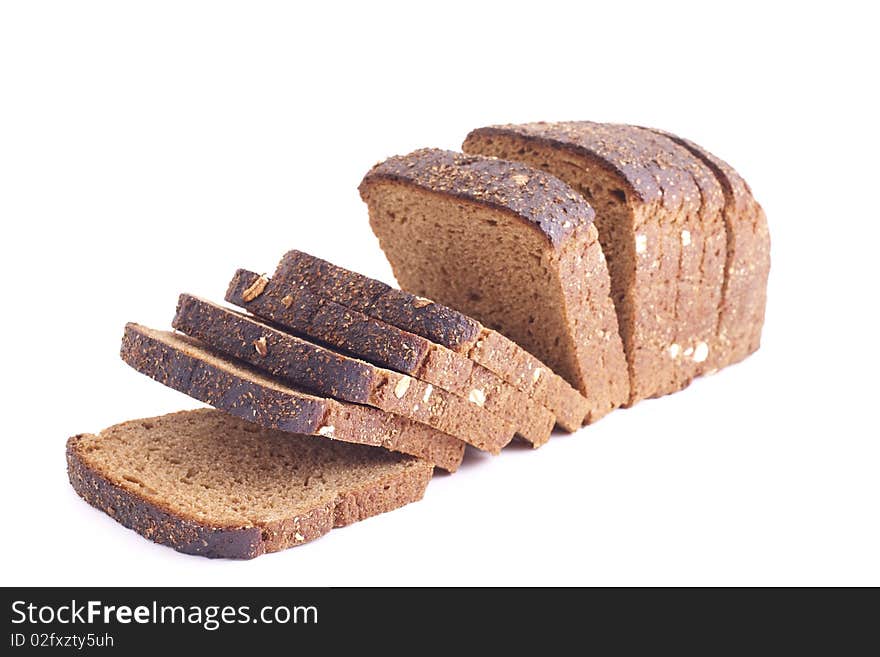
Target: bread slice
[
  {"x": 298, "y": 310},
  {"x": 318, "y": 369},
  {"x": 206, "y": 483},
  {"x": 442, "y": 325},
  {"x": 747, "y": 265},
  {"x": 510, "y": 246},
  {"x": 184, "y": 364},
  {"x": 659, "y": 217}
]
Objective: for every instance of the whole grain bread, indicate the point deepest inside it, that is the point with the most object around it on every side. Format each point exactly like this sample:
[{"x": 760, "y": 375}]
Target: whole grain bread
[
  {"x": 206, "y": 483},
  {"x": 512, "y": 247},
  {"x": 747, "y": 265},
  {"x": 309, "y": 366},
  {"x": 659, "y": 218},
  {"x": 184, "y": 364},
  {"x": 442, "y": 325},
  {"x": 298, "y": 310}
]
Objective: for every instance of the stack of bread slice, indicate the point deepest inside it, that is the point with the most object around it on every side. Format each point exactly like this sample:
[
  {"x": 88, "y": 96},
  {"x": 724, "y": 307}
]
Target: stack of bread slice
[
  {"x": 552, "y": 274},
  {"x": 298, "y": 366}
]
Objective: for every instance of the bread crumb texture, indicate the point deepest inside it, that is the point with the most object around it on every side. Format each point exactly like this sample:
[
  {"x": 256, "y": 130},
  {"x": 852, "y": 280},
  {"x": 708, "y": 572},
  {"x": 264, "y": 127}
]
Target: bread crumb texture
[{"x": 207, "y": 483}]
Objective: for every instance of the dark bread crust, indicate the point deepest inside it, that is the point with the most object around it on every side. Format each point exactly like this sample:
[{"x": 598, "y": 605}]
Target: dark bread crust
[
  {"x": 273, "y": 408},
  {"x": 331, "y": 323},
  {"x": 350, "y": 331},
  {"x": 243, "y": 392},
  {"x": 279, "y": 302},
  {"x": 159, "y": 523},
  {"x": 307, "y": 365},
  {"x": 736, "y": 189},
  {"x": 441, "y": 325},
  {"x": 304, "y": 364},
  {"x": 406, "y": 311},
  {"x": 652, "y": 171},
  {"x": 542, "y": 200},
  {"x": 629, "y": 159}
]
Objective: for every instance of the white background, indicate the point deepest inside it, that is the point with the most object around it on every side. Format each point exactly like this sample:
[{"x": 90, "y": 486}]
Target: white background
[{"x": 151, "y": 148}]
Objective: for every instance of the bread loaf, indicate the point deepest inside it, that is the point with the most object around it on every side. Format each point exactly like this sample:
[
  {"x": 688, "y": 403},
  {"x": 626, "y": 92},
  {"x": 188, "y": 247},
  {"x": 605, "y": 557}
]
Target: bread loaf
[
  {"x": 662, "y": 226},
  {"x": 747, "y": 264},
  {"x": 553, "y": 272}
]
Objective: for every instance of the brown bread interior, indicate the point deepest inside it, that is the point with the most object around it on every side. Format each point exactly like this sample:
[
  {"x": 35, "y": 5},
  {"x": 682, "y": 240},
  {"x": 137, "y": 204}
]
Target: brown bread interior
[
  {"x": 475, "y": 259},
  {"x": 218, "y": 471},
  {"x": 614, "y": 219}
]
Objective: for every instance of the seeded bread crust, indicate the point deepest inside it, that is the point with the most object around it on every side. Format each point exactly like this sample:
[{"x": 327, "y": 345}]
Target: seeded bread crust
[
  {"x": 442, "y": 325},
  {"x": 594, "y": 364},
  {"x": 423, "y": 317},
  {"x": 185, "y": 365},
  {"x": 679, "y": 243},
  {"x": 315, "y": 368},
  {"x": 154, "y": 520},
  {"x": 747, "y": 266},
  {"x": 374, "y": 340},
  {"x": 632, "y": 160},
  {"x": 540, "y": 200}
]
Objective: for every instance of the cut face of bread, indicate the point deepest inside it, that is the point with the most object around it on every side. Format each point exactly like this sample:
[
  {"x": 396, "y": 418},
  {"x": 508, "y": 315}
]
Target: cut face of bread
[
  {"x": 659, "y": 219},
  {"x": 206, "y": 483},
  {"x": 442, "y": 325},
  {"x": 293, "y": 307},
  {"x": 510, "y": 246},
  {"x": 312, "y": 367},
  {"x": 184, "y": 364}
]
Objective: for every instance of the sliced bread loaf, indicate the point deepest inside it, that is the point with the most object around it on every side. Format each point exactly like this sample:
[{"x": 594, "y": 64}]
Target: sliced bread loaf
[
  {"x": 298, "y": 310},
  {"x": 318, "y": 369},
  {"x": 747, "y": 266},
  {"x": 206, "y": 483},
  {"x": 659, "y": 217},
  {"x": 442, "y": 325},
  {"x": 186, "y": 365},
  {"x": 511, "y": 246}
]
